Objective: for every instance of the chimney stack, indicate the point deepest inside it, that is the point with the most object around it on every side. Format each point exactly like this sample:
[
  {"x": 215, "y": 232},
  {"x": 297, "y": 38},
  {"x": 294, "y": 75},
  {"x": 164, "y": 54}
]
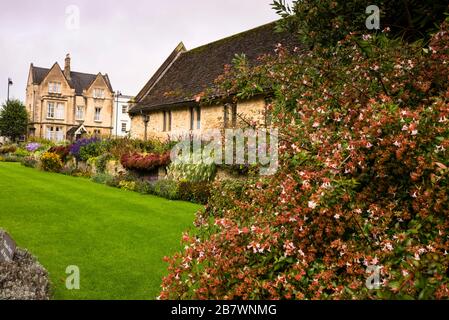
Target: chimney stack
[{"x": 67, "y": 66}]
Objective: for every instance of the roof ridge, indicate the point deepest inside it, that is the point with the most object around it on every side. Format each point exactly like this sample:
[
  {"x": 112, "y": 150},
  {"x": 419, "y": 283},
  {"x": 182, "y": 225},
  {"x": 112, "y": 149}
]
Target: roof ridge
[{"x": 233, "y": 36}]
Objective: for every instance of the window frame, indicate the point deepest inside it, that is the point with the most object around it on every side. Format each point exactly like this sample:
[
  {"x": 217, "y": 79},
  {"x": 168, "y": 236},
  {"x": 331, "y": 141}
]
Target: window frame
[
  {"x": 54, "y": 87},
  {"x": 96, "y": 95},
  {"x": 51, "y": 115},
  {"x": 78, "y": 108},
  {"x": 99, "y": 114}
]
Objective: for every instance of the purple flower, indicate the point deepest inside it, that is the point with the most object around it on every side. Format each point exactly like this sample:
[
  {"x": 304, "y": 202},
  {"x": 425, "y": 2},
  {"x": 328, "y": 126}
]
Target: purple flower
[
  {"x": 33, "y": 146},
  {"x": 76, "y": 147}
]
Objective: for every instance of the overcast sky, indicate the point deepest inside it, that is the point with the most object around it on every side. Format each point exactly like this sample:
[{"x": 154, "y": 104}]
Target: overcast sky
[{"x": 126, "y": 39}]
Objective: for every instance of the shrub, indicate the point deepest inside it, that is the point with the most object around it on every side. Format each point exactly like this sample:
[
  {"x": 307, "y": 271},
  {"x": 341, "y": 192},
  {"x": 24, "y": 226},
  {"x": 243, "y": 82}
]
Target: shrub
[
  {"x": 102, "y": 178},
  {"x": 145, "y": 187},
  {"x": 10, "y": 158},
  {"x": 198, "y": 192},
  {"x": 102, "y": 161},
  {"x": 363, "y": 181},
  {"x": 167, "y": 189},
  {"x": 51, "y": 162},
  {"x": 62, "y": 151},
  {"x": 145, "y": 162},
  {"x": 30, "y": 162},
  {"x": 184, "y": 169},
  {"x": 21, "y": 153},
  {"x": 81, "y": 150},
  {"x": 127, "y": 185},
  {"x": 8, "y": 149}
]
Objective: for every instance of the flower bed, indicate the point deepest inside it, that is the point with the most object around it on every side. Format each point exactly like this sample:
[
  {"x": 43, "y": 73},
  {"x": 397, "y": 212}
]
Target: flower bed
[{"x": 142, "y": 162}]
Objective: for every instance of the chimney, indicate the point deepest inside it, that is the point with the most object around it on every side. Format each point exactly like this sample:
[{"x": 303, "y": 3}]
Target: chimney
[{"x": 67, "y": 66}]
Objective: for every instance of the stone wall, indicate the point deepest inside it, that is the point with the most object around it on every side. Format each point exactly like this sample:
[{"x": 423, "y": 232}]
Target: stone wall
[{"x": 212, "y": 117}]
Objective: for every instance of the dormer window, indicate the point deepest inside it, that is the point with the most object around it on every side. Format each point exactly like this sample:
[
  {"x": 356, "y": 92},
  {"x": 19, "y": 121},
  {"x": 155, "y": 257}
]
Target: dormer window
[
  {"x": 98, "y": 93},
  {"x": 54, "y": 87}
]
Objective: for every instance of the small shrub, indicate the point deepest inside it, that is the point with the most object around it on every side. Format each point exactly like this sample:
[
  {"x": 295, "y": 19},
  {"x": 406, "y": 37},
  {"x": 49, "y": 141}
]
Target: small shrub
[
  {"x": 8, "y": 149},
  {"x": 102, "y": 178},
  {"x": 145, "y": 187},
  {"x": 184, "y": 169},
  {"x": 102, "y": 161},
  {"x": 51, "y": 162},
  {"x": 167, "y": 189},
  {"x": 21, "y": 153},
  {"x": 198, "y": 192},
  {"x": 127, "y": 185},
  {"x": 10, "y": 158},
  {"x": 81, "y": 150},
  {"x": 145, "y": 162},
  {"x": 62, "y": 151},
  {"x": 30, "y": 162}
]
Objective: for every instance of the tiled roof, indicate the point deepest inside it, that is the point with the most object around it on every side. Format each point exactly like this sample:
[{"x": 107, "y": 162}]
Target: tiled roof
[
  {"x": 79, "y": 81},
  {"x": 193, "y": 71}
]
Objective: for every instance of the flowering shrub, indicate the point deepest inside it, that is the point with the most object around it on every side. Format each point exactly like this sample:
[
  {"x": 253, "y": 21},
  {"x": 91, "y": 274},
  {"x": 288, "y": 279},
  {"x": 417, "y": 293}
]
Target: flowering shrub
[
  {"x": 33, "y": 146},
  {"x": 62, "y": 151},
  {"x": 363, "y": 181},
  {"x": 145, "y": 162},
  {"x": 80, "y": 150},
  {"x": 51, "y": 162}
]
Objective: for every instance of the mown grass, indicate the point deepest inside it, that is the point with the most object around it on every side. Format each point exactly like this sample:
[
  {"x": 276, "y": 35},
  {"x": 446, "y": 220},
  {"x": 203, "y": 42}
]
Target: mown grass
[{"x": 117, "y": 238}]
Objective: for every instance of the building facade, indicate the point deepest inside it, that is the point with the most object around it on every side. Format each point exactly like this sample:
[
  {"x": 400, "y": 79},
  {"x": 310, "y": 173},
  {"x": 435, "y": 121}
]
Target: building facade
[
  {"x": 122, "y": 120},
  {"x": 63, "y": 104},
  {"x": 167, "y": 108}
]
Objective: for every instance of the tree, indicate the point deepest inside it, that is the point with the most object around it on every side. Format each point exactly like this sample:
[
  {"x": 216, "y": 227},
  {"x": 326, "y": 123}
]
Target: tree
[
  {"x": 13, "y": 119},
  {"x": 327, "y": 21}
]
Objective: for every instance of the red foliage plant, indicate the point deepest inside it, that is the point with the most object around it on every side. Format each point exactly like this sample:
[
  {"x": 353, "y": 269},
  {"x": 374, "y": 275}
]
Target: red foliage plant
[
  {"x": 363, "y": 181},
  {"x": 62, "y": 151},
  {"x": 145, "y": 162}
]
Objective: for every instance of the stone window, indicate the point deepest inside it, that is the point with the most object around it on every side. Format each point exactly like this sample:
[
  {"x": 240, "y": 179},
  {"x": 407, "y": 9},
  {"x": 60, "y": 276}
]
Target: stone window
[
  {"x": 230, "y": 115},
  {"x": 167, "y": 121},
  {"x": 98, "y": 93},
  {"x": 51, "y": 110},
  {"x": 79, "y": 113},
  {"x": 54, "y": 87},
  {"x": 97, "y": 117}
]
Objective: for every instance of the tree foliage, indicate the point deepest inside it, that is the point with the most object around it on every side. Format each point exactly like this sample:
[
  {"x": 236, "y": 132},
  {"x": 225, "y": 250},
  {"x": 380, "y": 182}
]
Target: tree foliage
[
  {"x": 13, "y": 120},
  {"x": 328, "y": 21}
]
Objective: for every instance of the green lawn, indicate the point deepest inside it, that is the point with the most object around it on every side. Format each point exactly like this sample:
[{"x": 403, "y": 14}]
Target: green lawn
[{"x": 117, "y": 238}]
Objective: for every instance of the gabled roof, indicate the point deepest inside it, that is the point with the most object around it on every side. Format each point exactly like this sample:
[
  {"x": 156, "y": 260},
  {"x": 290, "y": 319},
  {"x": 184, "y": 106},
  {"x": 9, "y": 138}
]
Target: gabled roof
[
  {"x": 193, "y": 71},
  {"x": 79, "y": 81}
]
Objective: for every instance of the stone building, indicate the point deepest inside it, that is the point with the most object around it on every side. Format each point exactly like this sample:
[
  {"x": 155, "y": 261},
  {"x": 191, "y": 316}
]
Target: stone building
[
  {"x": 166, "y": 107},
  {"x": 63, "y": 104}
]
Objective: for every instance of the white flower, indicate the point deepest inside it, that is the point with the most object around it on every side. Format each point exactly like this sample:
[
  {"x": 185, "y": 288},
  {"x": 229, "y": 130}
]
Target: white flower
[
  {"x": 414, "y": 132},
  {"x": 312, "y": 204},
  {"x": 337, "y": 216},
  {"x": 397, "y": 144}
]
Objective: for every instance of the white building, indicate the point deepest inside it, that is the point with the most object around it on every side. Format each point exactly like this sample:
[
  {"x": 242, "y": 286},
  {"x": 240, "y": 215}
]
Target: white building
[{"x": 122, "y": 121}]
